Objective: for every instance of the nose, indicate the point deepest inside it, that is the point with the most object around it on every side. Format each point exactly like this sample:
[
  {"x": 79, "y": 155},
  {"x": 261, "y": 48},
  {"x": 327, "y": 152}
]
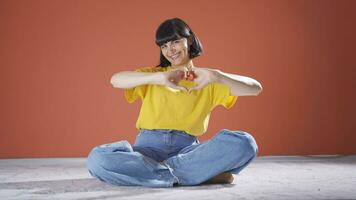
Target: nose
[
  {"x": 173, "y": 51},
  {"x": 172, "y": 48}
]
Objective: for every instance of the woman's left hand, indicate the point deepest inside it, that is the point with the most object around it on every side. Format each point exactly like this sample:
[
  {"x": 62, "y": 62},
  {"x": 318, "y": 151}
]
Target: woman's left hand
[{"x": 205, "y": 76}]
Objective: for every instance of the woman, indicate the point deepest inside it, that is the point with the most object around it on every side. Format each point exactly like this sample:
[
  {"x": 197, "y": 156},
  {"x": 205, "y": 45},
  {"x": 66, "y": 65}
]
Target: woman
[{"x": 177, "y": 99}]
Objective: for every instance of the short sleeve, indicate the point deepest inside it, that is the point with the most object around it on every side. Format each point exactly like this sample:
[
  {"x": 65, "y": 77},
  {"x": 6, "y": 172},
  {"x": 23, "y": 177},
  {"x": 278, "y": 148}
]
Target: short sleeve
[
  {"x": 221, "y": 95},
  {"x": 131, "y": 94}
]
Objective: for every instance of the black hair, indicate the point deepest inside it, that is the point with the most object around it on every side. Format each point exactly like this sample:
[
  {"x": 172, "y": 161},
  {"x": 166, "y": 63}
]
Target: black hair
[{"x": 173, "y": 29}]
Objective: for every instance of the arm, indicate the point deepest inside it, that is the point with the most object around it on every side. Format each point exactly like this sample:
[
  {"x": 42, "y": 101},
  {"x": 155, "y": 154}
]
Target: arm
[
  {"x": 130, "y": 79},
  {"x": 239, "y": 85}
]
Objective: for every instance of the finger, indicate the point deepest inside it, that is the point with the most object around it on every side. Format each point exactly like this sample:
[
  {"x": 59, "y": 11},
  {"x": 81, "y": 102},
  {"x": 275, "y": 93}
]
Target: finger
[
  {"x": 186, "y": 74},
  {"x": 179, "y": 73},
  {"x": 198, "y": 87},
  {"x": 191, "y": 89},
  {"x": 181, "y": 88}
]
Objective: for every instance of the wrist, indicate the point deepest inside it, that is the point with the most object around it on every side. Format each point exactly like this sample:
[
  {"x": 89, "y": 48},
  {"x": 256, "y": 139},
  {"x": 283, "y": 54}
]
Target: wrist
[{"x": 157, "y": 78}]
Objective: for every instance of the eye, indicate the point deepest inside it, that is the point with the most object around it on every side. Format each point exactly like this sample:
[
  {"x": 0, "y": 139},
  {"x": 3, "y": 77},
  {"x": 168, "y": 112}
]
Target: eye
[{"x": 176, "y": 41}]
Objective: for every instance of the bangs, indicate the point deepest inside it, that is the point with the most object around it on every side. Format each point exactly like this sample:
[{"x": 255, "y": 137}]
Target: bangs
[
  {"x": 168, "y": 32},
  {"x": 162, "y": 39}
]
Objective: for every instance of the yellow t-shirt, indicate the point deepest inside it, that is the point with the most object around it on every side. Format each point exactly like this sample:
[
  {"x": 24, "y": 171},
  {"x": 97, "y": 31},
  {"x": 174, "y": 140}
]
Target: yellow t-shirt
[{"x": 167, "y": 108}]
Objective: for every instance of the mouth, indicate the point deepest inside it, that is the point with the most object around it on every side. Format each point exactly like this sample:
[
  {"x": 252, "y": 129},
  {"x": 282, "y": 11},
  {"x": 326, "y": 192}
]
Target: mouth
[{"x": 175, "y": 56}]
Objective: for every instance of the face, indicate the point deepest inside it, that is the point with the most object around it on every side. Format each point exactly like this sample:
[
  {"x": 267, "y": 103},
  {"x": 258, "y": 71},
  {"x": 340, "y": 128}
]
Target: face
[{"x": 176, "y": 51}]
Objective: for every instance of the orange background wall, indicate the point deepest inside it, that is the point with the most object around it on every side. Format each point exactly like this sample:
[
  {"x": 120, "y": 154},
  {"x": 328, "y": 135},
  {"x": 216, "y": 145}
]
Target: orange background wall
[{"x": 57, "y": 58}]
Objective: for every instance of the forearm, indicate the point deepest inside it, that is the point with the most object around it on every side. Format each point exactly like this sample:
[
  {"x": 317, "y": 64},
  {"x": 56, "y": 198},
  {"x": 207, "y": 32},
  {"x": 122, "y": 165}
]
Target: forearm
[
  {"x": 130, "y": 79},
  {"x": 239, "y": 85}
]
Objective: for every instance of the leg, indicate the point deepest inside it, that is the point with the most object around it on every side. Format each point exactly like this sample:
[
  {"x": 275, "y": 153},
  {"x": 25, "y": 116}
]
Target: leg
[
  {"x": 154, "y": 153},
  {"x": 118, "y": 164},
  {"x": 226, "y": 151}
]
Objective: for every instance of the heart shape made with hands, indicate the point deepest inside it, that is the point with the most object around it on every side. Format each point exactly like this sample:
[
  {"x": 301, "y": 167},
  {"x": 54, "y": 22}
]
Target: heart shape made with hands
[{"x": 184, "y": 78}]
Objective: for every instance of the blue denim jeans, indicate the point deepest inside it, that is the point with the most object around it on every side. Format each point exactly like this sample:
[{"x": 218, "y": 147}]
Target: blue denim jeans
[{"x": 167, "y": 157}]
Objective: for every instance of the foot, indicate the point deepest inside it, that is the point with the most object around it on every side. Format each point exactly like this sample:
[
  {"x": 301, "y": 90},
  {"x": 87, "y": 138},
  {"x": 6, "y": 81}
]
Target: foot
[{"x": 223, "y": 178}]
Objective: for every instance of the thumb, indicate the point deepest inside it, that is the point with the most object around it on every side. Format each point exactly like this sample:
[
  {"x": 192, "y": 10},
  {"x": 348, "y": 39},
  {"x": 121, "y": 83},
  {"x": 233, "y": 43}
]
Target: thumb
[
  {"x": 191, "y": 89},
  {"x": 174, "y": 86},
  {"x": 181, "y": 88},
  {"x": 194, "y": 88}
]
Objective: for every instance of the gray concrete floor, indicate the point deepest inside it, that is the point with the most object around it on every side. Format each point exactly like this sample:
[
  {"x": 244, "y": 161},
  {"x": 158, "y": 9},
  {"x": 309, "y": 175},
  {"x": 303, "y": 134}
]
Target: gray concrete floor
[{"x": 267, "y": 177}]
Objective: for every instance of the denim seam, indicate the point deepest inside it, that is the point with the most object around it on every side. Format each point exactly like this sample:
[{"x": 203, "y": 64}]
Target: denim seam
[{"x": 170, "y": 170}]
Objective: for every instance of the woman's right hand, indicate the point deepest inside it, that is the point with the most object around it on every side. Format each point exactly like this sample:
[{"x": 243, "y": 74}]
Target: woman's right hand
[{"x": 171, "y": 78}]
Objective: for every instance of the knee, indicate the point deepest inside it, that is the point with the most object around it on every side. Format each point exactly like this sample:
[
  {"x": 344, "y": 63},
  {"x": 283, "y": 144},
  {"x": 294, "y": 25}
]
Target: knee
[
  {"x": 93, "y": 160},
  {"x": 244, "y": 141},
  {"x": 98, "y": 160}
]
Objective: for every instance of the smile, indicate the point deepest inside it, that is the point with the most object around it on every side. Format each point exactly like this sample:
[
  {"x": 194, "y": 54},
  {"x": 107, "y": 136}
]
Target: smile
[{"x": 175, "y": 56}]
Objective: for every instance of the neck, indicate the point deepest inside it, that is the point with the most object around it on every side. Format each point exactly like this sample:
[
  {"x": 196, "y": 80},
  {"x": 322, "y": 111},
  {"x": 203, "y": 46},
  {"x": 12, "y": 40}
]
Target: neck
[{"x": 188, "y": 64}]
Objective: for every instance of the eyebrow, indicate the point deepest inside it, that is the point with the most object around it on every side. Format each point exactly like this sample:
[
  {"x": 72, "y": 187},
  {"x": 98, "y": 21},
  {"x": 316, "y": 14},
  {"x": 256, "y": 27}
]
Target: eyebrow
[{"x": 172, "y": 41}]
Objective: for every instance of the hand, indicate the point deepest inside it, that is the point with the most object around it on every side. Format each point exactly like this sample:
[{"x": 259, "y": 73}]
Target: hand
[
  {"x": 171, "y": 78},
  {"x": 205, "y": 76}
]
